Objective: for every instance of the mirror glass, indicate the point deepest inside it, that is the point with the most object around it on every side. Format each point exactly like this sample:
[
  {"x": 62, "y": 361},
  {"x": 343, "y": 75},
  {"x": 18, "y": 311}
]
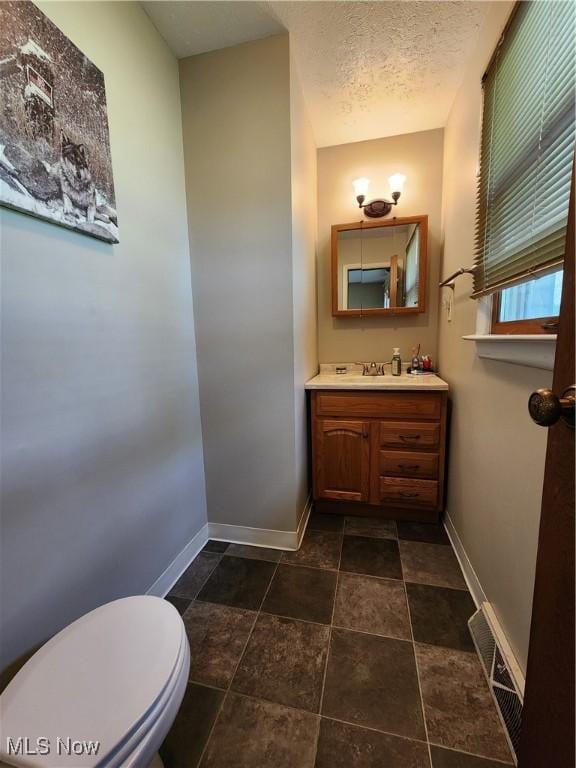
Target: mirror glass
[{"x": 379, "y": 267}]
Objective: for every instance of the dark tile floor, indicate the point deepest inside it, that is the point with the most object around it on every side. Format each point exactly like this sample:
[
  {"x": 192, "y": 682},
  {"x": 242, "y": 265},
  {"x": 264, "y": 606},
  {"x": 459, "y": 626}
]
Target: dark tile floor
[{"x": 353, "y": 652}]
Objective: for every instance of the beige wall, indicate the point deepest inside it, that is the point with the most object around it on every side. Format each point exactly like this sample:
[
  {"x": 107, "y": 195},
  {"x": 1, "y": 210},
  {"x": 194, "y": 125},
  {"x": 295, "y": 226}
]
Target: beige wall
[
  {"x": 102, "y": 467},
  {"x": 237, "y": 142},
  {"x": 419, "y": 156},
  {"x": 496, "y": 452},
  {"x": 304, "y": 226}
]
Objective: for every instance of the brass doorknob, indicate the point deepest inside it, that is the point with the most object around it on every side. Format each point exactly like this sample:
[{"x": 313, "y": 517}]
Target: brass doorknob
[{"x": 546, "y": 408}]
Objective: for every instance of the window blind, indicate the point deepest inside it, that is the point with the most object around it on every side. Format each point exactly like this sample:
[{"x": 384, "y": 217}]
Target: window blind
[{"x": 527, "y": 147}]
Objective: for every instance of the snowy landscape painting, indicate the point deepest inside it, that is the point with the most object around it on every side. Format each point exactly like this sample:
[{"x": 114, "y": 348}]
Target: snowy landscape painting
[{"x": 55, "y": 160}]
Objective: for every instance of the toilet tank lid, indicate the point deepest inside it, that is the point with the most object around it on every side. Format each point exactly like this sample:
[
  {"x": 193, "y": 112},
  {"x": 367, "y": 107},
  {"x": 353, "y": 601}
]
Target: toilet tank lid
[{"x": 94, "y": 681}]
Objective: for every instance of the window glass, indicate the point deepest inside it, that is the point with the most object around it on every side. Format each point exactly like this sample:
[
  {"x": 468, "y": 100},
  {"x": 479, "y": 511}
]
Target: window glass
[{"x": 536, "y": 298}]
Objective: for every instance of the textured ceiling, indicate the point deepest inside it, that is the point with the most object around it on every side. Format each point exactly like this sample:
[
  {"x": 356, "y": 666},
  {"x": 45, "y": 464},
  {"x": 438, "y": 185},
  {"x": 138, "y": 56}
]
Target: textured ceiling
[
  {"x": 368, "y": 69},
  {"x": 197, "y": 26}
]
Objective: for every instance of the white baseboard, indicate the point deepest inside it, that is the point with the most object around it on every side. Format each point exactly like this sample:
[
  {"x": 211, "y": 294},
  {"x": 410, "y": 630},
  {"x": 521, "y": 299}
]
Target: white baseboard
[
  {"x": 472, "y": 580},
  {"x": 235, "y": 534},
  {"x": 303, "y": 522},
  {"x": 166, "y": 580},
  {"x": 513, "y": 667},
  {"x": 262, "y": 537},
  {"x": 481, "y": 601}
]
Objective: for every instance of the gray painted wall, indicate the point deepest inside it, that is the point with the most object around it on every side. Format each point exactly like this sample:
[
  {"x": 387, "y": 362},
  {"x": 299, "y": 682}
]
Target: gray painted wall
[
  {"x": 239, "y": 164},
  {"x": 304, "y": 228},
  {"x": 102, "y": 468}
]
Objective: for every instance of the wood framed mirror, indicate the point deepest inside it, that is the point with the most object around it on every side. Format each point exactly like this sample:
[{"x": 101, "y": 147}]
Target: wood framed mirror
[{"x": 379, "y": 267}]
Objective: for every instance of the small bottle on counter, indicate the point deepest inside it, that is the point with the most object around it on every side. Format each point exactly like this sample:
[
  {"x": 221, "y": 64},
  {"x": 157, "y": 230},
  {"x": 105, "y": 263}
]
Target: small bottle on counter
[{"x": 396, "y": 362}]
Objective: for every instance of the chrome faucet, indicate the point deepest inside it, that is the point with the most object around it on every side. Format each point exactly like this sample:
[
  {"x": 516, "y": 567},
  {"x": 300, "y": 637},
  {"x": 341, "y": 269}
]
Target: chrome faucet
[{"x": 372, "y": 369}]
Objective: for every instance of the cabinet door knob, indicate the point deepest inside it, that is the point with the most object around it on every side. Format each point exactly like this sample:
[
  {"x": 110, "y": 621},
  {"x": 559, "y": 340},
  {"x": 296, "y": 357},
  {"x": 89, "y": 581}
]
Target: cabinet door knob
[{"x": 365, "y": 434}]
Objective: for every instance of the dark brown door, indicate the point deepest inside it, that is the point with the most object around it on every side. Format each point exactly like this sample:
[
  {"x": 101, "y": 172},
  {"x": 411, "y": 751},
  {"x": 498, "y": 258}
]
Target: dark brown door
[
  {"x": 342, "y": 459},
  {"x": 547, "y": 737}
]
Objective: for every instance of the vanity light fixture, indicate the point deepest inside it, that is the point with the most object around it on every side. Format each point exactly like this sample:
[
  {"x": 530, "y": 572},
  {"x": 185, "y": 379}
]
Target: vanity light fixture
[{"x": 377, "y": 208}]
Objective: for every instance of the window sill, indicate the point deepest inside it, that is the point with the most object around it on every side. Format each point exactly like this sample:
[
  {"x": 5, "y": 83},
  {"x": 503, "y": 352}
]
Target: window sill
[{"x": 534, "y": 351}]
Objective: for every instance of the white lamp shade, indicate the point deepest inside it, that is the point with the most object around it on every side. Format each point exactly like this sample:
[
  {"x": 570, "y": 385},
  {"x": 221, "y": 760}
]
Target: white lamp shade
[
  {"x": 361, "y": 186},
  {"x": 396, "y": 182}
]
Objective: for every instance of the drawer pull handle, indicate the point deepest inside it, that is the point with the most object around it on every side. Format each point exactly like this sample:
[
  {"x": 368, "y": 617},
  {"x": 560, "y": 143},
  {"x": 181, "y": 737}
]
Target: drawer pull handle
[
  {"x": 409, "y": 494},
  {"x": 410, "y": 437},
  {"x": 409, "y": 467}
]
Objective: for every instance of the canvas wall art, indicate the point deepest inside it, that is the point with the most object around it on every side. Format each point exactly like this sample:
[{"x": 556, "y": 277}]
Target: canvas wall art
[{"x": 55, "y": 160}]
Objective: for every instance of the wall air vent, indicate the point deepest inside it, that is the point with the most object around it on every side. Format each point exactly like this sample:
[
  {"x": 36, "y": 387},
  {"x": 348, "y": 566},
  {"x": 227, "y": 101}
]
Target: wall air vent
[{"x": 502, "y": 672}]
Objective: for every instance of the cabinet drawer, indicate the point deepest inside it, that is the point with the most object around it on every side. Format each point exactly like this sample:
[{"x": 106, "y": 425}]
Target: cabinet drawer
[
  {"x": 413, "y": 493},
  {"x": 409, "y": 464},
  {"x": 392, "y": 405},
  {"x": 409, "y": 435}
]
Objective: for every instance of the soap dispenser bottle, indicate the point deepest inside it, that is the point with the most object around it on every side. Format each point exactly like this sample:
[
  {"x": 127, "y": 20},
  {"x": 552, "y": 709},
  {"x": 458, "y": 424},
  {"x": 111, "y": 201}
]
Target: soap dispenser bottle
[{"x": 396, "y": 362}]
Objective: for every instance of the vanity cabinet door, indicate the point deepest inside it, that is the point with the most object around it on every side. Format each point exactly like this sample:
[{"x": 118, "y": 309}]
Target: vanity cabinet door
[{"x": 342, "y": 453}]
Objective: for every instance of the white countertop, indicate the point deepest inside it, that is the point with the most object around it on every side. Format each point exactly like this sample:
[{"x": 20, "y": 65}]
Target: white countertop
[{"x": 353, "y": 379}]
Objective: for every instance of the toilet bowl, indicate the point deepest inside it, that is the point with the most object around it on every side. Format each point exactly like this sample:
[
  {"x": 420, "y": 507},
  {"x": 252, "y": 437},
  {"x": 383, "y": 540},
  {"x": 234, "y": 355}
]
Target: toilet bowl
[{"x": 102, "y": 692}]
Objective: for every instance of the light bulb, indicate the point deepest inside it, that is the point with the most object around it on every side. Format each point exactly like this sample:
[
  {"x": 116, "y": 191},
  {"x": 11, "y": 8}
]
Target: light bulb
[
  {"x": 361, "y": 186},
  {"x": 396, "y": 182}
]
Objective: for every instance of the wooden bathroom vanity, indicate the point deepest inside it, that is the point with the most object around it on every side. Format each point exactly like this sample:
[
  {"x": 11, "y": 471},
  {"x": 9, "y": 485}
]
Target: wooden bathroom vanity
[{"x": 379, "y": 445}]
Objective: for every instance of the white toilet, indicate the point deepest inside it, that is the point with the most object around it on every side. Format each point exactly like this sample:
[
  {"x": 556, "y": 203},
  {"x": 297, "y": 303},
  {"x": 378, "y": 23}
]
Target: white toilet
[{"x": 116, "y": 676}]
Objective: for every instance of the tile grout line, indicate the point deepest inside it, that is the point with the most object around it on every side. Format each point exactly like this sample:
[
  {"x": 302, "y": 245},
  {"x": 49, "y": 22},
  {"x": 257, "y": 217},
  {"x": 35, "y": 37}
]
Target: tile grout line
[
  {"x": 379, "y": 537},
  {"x": 417, "y": 670},
  {"x": 418, "y": 678},
  {"x": 437, "y": 586},
  {"x": 361, "y": 727},
  {"x": 375, "y": 730},
  {"x": 280, "y": 561},
  {"x": 204, "y": 684},
  {"x": 473, "y": 754},
  {"x": 200, "y": 757},
  {"x": 463, "y": 588},
  {"x": 233, "y": 675},
  {"x": 322, "y": 691},
  {"x": 341, "y": 626},
  {"x": 339, "y": 534},
  {"x": 436, "y": 583},
  {"x": 191, "y": 599},
  {"x": 291, "y": 707},
  {"x": 329, "y": 570}
]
